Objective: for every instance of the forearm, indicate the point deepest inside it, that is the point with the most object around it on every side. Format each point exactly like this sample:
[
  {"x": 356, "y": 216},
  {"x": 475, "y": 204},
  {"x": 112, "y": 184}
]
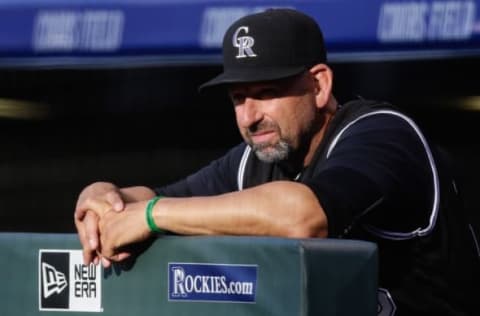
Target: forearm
[
  {"x": 281, "y": 208},
  {"x": 136, "y": 193}
]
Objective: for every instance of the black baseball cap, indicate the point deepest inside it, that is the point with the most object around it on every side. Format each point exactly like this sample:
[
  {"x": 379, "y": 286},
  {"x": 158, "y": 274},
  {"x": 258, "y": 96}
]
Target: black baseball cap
[{"x": 274, "y": 44}]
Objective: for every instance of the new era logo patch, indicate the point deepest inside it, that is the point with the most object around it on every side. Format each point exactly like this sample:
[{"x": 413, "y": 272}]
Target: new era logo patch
[
  {"x": 53, "y": 281},
  {"x": 66, "y": 284}
]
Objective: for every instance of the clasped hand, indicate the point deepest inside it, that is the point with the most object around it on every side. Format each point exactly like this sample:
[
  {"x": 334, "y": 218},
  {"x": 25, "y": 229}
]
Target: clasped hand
[{"x": 106, "y": 223}]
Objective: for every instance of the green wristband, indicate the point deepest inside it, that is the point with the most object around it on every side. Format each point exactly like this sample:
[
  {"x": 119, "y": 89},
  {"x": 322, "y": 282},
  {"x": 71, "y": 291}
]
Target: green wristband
[{"x": 150, "y": 221}]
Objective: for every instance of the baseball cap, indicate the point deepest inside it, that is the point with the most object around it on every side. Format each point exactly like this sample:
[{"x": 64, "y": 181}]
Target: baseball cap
[{"x": 274, "y": 44}]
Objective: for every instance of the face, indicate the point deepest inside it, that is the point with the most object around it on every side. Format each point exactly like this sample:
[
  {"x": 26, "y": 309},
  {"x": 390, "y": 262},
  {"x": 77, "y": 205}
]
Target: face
[{"x": 276, "y": 118}]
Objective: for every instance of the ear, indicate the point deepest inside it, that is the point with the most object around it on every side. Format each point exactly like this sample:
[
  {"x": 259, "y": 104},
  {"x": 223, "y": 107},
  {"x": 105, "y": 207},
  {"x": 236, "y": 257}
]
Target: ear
[{"x": 323, "y": 81}]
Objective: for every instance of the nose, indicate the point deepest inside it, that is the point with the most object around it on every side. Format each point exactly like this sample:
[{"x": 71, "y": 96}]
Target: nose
[{"x": 248, "y": 113}]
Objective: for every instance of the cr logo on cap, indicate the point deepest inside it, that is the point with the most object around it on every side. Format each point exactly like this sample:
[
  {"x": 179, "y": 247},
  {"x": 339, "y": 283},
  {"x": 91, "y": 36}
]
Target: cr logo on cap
[{"x": 244, "y": 43}]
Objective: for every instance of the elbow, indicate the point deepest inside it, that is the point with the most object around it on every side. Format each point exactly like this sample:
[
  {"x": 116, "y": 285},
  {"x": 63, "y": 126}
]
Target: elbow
[
  {"x": 310, "y": 228},
  {"x": 307, "y": 232},
  {"x": 302, "y": 215},
  {"x": 311, "y": 220}
]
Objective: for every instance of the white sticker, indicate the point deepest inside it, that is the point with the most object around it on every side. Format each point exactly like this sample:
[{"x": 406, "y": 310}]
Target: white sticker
[{"x": 66, "y": 284}]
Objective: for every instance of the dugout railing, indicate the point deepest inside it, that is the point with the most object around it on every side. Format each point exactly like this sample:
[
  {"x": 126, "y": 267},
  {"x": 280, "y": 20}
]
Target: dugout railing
[{"x": 43, "y": 274}]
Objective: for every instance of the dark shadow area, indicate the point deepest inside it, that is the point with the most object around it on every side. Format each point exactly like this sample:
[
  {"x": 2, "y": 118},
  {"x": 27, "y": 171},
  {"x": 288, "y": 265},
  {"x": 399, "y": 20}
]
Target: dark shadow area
[
  {"x": 149, "y": 125},
  {"x": 117, "y": 268}
]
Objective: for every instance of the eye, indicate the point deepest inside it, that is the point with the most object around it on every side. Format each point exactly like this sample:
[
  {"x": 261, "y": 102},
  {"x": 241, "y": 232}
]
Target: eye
[
  {"x": 237, "y": 98},
  {"x": 268, "y": 93}
]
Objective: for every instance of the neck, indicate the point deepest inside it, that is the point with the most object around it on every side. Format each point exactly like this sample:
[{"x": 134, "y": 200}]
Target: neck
[
  {"x": 317, "y": 139},
  {"x": 305, "y": 155},
  {"x": 303, "y": 158},
  {"x": 326, "y": 116}
]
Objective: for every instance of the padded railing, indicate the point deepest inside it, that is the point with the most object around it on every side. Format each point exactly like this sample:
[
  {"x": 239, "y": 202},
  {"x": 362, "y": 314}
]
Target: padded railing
[{"x": 43, "y": 274}]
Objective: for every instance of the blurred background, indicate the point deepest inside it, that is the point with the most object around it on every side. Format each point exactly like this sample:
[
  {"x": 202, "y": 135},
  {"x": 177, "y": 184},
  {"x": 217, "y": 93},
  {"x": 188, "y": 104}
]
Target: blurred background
[{"x": 107, "y": 90}]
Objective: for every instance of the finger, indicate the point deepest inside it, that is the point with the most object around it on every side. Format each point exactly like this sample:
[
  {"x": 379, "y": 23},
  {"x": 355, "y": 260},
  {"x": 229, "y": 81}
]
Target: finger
[
  {"x": 121, "y": 256},
  {"x": 88, "y": 237},
  {"x": 106, "y": 263},
  {"x": 105, "y": 251},
  {"x": 88, "y": 256},
  {"x": 79, "y": 213},
  {"x": 97, "y": 205},
  {"x": 90, "y": 225},
  {"x": 115, "y": 200}
]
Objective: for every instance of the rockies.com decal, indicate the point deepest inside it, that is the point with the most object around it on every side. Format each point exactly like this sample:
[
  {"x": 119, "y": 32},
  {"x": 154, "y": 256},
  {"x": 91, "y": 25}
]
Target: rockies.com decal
[{"x": 212, "y": 282}]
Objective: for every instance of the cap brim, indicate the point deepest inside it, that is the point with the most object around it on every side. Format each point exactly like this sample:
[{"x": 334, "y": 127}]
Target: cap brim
[{"x": 251, "y": 75}]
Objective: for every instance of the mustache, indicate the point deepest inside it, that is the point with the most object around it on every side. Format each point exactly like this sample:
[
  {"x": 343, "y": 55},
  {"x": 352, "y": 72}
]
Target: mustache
[{"x": 262, "y": 126}]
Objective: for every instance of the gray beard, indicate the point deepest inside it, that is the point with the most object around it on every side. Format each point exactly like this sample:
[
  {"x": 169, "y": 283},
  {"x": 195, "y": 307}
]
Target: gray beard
[{"x": 267, "y": 153}]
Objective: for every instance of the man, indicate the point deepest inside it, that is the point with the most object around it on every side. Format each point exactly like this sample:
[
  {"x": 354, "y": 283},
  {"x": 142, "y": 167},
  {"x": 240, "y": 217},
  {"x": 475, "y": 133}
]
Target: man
[{"x": 309, "y": 167}]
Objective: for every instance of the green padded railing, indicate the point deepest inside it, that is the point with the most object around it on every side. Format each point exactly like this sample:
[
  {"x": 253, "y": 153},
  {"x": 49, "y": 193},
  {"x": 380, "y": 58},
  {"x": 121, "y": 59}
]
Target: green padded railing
[{"x": 43, "y": 274}]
